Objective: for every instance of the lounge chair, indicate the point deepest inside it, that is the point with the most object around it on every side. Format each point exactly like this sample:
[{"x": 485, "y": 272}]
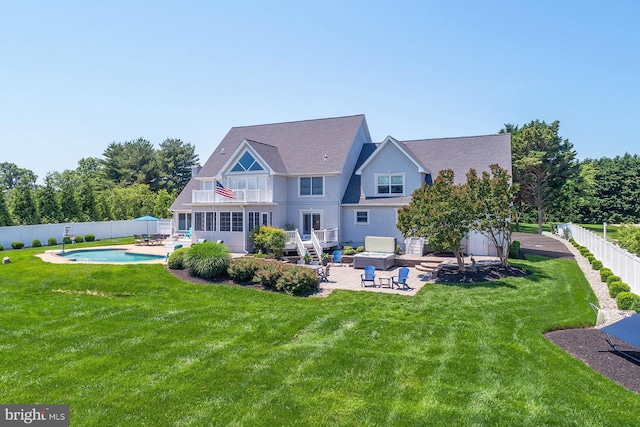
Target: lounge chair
[
  {"x": 139, "y": 240},
  {"x": 401, "y": 280},
  {"x": 626, "y": 329},
  {"x": 188, "y": 233},
  {"x": 368, "y": 276},
  {"x": 337, "y": 257}
]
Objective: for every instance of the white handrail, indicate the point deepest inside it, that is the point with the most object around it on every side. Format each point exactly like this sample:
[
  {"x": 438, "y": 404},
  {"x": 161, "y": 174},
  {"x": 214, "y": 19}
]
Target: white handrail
[
  {"x": 316, "y": 245},
  {"x": 300, "y": 245}
]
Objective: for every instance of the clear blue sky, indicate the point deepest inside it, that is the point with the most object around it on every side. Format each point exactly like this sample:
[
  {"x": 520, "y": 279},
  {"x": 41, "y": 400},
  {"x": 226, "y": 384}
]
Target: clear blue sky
[{"x": 76, "y": 76}]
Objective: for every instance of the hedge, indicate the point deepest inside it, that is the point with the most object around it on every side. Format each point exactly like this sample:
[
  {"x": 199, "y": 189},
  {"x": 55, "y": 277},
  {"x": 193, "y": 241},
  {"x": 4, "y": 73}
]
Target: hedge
[
  {"x": 616, "y": 287},
  {"x": 628, "y": 301}
]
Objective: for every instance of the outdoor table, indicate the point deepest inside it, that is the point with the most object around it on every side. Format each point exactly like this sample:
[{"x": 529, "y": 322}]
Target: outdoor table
[{"x": 385, "y": 281}]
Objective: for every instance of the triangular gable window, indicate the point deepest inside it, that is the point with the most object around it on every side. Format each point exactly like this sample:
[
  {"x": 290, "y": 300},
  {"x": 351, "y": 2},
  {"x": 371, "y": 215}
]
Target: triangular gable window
[{"x": 247, "y": 163}]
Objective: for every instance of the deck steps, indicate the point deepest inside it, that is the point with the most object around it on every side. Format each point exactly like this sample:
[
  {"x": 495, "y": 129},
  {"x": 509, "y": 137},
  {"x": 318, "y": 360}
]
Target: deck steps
[{"x": 428, "y": 266}]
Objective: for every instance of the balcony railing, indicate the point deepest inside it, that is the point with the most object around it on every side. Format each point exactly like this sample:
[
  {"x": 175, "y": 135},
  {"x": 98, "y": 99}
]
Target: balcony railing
[
  {"x": 328, "y": 235},
  {"x": 241, "y": 196}
]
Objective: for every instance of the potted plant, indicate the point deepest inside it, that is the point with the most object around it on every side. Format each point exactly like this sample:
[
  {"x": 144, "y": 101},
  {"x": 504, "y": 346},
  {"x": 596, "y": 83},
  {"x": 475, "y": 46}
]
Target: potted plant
[
  {"x": 325, "y": 257},
  {"x": 307, "y": 258}
]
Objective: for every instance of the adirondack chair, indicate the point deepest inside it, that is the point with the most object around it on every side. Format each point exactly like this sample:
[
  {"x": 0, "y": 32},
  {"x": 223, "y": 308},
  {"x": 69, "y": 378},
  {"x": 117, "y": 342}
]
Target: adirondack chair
[
  {"x": 401, "y": 280},
  {"x": 369, "y": 276}
]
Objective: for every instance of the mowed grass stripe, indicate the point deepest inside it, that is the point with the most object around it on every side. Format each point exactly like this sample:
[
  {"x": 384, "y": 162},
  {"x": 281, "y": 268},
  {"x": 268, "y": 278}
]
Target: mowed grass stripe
[{"x": 147, "y": 349}]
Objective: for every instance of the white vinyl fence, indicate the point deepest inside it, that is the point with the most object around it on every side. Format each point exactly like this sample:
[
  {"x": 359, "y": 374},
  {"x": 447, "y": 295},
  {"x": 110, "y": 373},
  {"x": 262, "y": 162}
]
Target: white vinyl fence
[
  {"x": 102, "y": 230},
  {"x": 623, "y": 264}
]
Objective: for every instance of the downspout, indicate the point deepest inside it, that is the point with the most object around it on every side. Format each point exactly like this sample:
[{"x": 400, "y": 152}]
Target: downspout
[
  {"x": 339, "y": 208},
  {"x": 246, "y": 236}
]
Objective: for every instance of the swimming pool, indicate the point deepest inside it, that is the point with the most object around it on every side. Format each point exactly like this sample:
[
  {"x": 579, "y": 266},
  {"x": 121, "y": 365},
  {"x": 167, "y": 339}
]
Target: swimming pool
[{"x": 107, "y": 255}]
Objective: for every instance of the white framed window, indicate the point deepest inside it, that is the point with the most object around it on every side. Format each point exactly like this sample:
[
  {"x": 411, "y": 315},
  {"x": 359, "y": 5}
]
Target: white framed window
[
  {"x": 199, "y": 221},
  {"x": 225, "y": 221},
  {"x": 253, "y": 220},
  {"x": 361, "y": 217},
  {"x": 311, "y": 186},
  {"x": 236, "y": 221},
  {"x": 390, "y": 184},
  {"x": 211, "y": 221},
  {"x": 184, "y": 221}
]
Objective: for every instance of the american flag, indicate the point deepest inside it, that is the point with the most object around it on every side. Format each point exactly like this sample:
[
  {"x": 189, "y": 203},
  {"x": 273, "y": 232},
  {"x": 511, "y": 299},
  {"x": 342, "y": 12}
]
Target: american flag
[{"x": 223, "y": 191}]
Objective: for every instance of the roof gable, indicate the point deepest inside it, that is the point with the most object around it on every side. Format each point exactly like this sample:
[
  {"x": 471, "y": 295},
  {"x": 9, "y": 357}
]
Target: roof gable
[{"x": 399, "y": 146}]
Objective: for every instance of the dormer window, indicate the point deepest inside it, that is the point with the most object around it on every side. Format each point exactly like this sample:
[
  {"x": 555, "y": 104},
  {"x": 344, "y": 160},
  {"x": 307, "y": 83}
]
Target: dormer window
[
  {"x": 390, "y": 185},
  {"x": 247, "y": 163}
]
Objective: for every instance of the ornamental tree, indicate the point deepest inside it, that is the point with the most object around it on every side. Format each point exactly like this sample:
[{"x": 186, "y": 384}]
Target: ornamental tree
[
  {"x": 441, "y": 213},
  {"x": 491, "y": 197}
]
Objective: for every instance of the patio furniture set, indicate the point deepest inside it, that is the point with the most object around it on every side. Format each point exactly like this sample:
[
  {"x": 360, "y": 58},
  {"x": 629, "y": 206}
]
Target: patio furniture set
[
  {"x": 399, "y": 281},
  {"x": 148, "y": 239}
]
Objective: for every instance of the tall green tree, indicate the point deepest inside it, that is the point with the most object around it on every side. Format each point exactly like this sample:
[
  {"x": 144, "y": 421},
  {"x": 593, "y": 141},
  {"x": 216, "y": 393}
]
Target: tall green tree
[
  {"x": 440, "y": 213},
  {"x": 176, "y": 158},
  {"x": 5, "y": 216},
  {"x": 11, "y": 176},
  {"x": 491, "y": 197},
  {"x": 49, "y": 203},
  {"x": 132, "y": 162},
  {"x": 542, "y": 163},
  {"x": 69, "y": 202},
  {"x": 87, "y": 202},
  {"x": 25, "y": 210}
]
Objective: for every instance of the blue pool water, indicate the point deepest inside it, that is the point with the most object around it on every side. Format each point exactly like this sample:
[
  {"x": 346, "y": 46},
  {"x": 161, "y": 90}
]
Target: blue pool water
[{"x": 107, "y": 255}]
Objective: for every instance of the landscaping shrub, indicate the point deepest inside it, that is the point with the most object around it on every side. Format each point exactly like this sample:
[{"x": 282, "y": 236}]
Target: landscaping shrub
[
  {"x": 269, "y": 273},
  {"x": 612, "y": 279},
  {"x": 35, "y": 243},
  {"x": 78, "y": 239},
  {"x": 360, "y": 249},
  {"x": 297, "y": 280},
  {"x": 628, "y": 301},
  {"x": 1, "y": 247},
  {"x": 269, "y": 239},
  {"x": 207, "y": 260},
  {"x": 596, "y": 264},
  {"x": 17, "y": 244},
  {"x": 176, "y": 259},
  {"x": 616, "y": 287},
  {"x": 66, "y": 240},
  {"x": 348, "y": 250},
  {"x": 243, "y": 269},
  {"x": 605, "y": 273},
  {"x": 261, "y": 256},
  {"x": 514, "y": 249},
  {"x": 89, "y": 237},
  {"x": 52, "y": 241},
  {"x": 585, "y": 252}
]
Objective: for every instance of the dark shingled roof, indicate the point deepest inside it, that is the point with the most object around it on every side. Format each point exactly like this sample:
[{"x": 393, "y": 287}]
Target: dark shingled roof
[
  {"x": 293, "y": 147},
  {"x": 459, "y": 154}
]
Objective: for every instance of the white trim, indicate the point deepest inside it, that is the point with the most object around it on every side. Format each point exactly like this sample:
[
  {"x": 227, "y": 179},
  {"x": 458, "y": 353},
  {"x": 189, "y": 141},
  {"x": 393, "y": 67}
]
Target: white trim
[
  {"x": 302, "y": 212},
  {"x": 311, "y": 187},
  {"x": 391, "y": 140},
  {"x": 355, "y": 216},
  {"x": 390, "y": 174},
  {"x": 235, "y": 157}
]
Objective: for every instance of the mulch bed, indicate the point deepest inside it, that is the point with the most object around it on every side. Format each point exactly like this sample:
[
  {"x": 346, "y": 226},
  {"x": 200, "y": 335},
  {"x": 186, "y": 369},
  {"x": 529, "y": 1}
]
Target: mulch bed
[
  {"x": 486, "y": 273},
  {"x": 589, "y": 346}
]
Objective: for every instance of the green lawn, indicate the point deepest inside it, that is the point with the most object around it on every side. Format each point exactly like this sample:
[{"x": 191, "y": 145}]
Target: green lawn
[
  {"x": 612, "y": 230},
  {"x": 143, "y": 348}
]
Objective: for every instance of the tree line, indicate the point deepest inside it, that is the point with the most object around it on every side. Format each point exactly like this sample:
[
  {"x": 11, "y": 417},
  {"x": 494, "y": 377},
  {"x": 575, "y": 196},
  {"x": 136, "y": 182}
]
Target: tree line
[{"x": 131, "y": 180}]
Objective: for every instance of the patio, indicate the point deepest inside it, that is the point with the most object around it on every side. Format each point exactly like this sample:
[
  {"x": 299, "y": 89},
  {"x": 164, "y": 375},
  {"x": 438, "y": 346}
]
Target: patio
[{"x": 343, "y": 277}]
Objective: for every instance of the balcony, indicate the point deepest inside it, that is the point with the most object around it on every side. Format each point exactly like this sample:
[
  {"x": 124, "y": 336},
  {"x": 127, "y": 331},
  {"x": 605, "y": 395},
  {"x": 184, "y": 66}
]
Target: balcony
[{"x": 209, "y": 197}]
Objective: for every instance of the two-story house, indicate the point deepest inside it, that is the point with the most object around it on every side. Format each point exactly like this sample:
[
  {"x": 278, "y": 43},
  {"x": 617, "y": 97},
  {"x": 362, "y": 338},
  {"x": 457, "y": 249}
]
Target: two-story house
[{"x": 323, "y": 180}]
